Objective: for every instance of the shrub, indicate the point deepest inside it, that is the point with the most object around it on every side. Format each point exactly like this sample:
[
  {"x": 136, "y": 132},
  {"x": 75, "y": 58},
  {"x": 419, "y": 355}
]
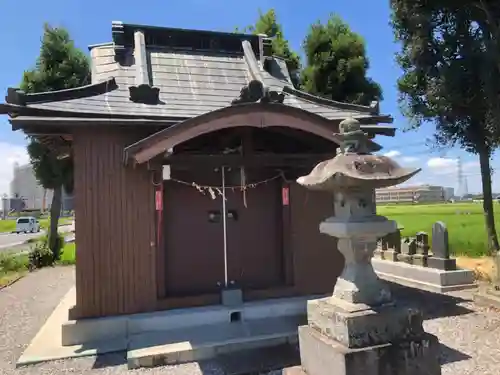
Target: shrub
[
  {"x": 59, "y": 246},
  {"x": 34, "y": 213},
  {"x": 40, "y": 256}
]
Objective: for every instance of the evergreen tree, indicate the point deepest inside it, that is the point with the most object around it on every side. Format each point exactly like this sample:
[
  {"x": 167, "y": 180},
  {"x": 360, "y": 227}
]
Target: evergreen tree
[
  {"x": 60, "y": 65},
  {"x": 451, "y": 78},
  {"x": 336, "y": 64}
]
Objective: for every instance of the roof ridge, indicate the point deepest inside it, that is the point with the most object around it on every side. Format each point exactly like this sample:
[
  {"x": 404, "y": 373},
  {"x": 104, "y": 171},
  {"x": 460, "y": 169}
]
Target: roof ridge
[
  {"x": 251, "y": 61},
  {"x": 19, "y": 97},
  {"x": 122, "y": 36},
  {"x": 373, "y": 108},
  {"x": 257, "y": 72}
]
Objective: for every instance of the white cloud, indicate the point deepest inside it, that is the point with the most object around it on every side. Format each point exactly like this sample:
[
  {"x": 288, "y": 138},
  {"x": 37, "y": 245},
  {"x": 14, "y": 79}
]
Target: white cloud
[
  {"x": 10, "y": 154},
  {"x": 409, "y": 159},
  {"x": 471, "y": 165},
  {"x": 442, "y": 165},
  {"x": 399, "y": 155},
  {"x": 392, "y": 154}
]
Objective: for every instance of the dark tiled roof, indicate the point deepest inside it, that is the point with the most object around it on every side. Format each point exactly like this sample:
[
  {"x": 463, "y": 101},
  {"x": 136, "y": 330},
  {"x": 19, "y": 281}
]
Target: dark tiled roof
[{"x": 190, "y": 82}]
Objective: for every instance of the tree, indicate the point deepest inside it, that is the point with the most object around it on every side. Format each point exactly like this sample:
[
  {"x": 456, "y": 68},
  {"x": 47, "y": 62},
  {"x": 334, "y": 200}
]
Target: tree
[
  {"x": 267, "y": 24},
  {"x": 60, "y": 65},
  {"x": 337, "y": 64},
  {"x": 451, "y": 78}
]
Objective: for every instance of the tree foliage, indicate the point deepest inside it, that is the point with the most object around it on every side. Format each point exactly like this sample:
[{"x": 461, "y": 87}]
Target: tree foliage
[
  {"x": 451, "y": 77},
  {"x": 268, "y": 24},
  {"x": 59, "y": 66},
  {"x": 336, "y": 64},
  {"x": 50, "y": 170}
]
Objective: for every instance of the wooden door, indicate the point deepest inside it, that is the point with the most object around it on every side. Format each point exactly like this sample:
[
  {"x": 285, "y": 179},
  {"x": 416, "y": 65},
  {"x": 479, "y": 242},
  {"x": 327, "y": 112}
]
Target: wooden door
[
  {"x": 193, "y": 237},
  {"x": 253, "y": 236}
]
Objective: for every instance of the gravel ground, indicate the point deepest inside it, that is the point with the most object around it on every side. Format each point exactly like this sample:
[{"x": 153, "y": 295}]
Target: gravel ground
[{"x": 470, "y": 335}]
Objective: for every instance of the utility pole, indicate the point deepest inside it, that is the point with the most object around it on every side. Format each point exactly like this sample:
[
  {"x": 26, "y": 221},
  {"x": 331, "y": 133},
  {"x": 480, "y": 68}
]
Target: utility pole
[{"x": 460, "y": 177}]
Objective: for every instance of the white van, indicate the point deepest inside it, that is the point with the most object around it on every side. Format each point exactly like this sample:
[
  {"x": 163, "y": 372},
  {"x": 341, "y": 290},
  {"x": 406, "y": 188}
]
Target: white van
[{"x": 27, "y": 224}]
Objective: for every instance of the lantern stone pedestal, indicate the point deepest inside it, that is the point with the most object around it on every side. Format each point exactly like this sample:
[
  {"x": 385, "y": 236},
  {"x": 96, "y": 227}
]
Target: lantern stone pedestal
[{"x": 360, "y": 329}]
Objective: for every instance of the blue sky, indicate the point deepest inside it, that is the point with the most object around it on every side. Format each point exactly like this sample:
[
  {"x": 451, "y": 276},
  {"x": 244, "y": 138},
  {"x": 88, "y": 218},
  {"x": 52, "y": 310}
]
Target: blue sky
[{"x": 89, "y": 22}]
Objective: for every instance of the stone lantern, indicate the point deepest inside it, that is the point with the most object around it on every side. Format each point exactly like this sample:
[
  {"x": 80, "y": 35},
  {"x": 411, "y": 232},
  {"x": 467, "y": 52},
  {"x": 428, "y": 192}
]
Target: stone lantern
[{"x": 360, "y": 329}]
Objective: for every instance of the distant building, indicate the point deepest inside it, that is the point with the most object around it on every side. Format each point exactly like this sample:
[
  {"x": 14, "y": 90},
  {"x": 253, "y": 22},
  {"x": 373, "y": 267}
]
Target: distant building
[
  {"x": 25, "y": 187},
  {"x": 449, "y": 193},
  {"x": 411, "y": 194}
]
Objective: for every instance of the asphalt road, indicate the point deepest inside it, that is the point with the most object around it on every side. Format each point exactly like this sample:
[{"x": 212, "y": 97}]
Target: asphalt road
[{"x": 9, "y": 240}]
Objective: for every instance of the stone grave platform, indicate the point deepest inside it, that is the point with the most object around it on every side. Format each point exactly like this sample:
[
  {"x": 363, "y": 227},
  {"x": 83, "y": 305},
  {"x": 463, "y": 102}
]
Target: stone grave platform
[
  {"x": 425, "y": 278},
  {"x": 412, "y": 262}
]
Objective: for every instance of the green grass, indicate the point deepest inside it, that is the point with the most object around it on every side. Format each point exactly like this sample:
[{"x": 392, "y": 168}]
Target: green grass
[
  {"x": 465, "y": 223},
  {"x": 7, "y": 226},
  {"x": 14, "y": 266},
  {"x": 68, "y": 255}
]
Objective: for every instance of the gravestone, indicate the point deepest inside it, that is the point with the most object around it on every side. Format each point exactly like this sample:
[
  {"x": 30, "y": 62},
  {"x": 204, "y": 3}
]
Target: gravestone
[
  {"x": 381, "y": 245},
  {"x": 408, "y": 250},
  {"x": 390, "y": 246},
  {"x": 440, "y": 248},
  {"x": 422, "y": 253},
  {"x": 384, "y": 245}
]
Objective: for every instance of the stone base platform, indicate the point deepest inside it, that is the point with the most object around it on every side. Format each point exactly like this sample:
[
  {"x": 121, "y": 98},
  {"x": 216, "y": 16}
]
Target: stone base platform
[
  {"x": 430, "y": 279},
  {"x": 320, "y": 355},
  {"x": 355, "y": 339},
  {"x": 172, "y": 336}
]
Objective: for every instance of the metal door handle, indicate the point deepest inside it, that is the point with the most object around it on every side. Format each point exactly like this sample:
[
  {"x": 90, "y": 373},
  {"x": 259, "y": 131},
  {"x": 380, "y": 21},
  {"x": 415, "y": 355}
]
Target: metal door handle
[{"x": 214, "y": 216}]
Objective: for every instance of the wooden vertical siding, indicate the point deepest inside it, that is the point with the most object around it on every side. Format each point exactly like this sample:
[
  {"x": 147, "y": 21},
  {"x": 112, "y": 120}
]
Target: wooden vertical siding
[
  {"x": 115, "y": 227},
  {"x": 317, "y": 263}
]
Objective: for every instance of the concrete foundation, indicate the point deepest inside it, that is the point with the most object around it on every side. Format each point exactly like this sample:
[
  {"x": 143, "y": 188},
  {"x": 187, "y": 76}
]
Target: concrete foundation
[
  {"x": 426, "y": 278},
  {"x": 232, "y": 297},
  {"x": 347, "y": 339},
  {"x": 173, "y": 336}
]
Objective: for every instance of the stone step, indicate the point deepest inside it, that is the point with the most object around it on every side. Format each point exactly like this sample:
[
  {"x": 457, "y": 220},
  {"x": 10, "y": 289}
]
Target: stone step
[
  {"x": 217, "y": 314},
  {"x": 208, "y": 341}
]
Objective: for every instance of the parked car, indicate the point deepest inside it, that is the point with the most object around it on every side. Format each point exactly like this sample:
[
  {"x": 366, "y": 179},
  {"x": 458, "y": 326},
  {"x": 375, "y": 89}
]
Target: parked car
[{"x": 27, "y": 224}]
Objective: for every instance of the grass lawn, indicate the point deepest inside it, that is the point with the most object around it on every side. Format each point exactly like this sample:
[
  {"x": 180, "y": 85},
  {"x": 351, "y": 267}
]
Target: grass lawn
[
  {"x": 68, "y": 255},
  {"x": 14, "y": 266},
  {"x": 7, "y": 226},
  {"x": 465, "y": 222}
]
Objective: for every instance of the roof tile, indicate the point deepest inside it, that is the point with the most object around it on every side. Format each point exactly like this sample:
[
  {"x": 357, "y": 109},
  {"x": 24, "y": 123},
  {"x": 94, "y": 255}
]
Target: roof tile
[{"x": 191, "y": 83}]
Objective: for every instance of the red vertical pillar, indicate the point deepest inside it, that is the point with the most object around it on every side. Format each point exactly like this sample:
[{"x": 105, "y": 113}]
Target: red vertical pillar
[{"x": 159, "y": 212}]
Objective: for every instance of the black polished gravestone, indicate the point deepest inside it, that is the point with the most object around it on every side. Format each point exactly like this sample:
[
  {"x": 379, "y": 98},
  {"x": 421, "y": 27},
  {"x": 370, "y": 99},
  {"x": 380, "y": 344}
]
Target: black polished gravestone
[
  {"x": 422, "y": 253},
  {"x": 440, "y": 248},
  {"x": 408, "y": 250}
]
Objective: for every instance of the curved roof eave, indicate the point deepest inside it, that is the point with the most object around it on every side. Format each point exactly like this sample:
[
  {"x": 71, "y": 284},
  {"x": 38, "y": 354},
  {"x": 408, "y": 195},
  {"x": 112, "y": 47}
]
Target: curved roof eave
[
  {"x": 15, "y": 96},
  {"x": 249, "y": 114},
  {"x": 373, "y": 108}
]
